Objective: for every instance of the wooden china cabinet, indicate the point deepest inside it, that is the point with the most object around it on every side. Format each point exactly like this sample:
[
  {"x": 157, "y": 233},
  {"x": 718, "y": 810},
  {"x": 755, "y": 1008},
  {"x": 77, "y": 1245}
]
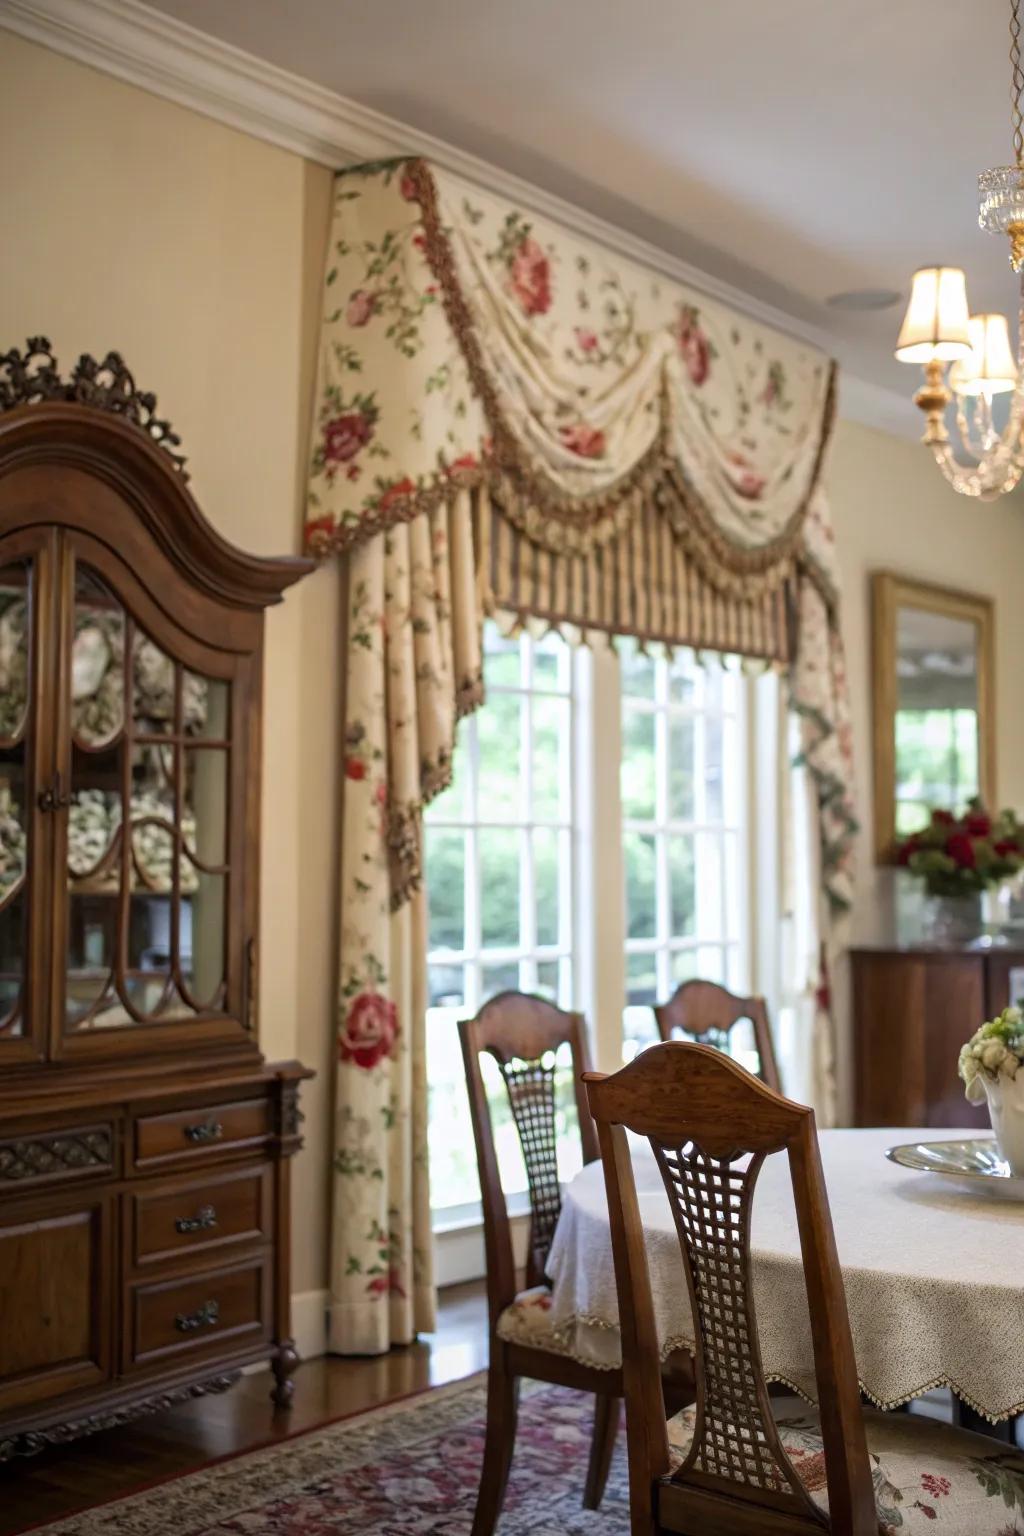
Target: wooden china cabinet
[{"x": 144, "y": 1142}]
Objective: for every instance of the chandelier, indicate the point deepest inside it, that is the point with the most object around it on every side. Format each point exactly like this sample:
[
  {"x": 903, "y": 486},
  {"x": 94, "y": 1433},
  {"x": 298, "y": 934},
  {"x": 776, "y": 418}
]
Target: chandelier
[{"x": 938, "y": 330}]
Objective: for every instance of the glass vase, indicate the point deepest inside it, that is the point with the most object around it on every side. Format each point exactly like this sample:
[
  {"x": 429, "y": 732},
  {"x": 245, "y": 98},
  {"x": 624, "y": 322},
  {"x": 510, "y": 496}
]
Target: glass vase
[{"x": 953, "y": 921}]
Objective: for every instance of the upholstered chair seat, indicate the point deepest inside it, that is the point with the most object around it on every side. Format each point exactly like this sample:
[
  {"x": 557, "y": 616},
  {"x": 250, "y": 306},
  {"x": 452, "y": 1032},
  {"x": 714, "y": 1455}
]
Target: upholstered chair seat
[
  {"x": 528, "y": 1321},
  {"x": 927, "y": 1476}
]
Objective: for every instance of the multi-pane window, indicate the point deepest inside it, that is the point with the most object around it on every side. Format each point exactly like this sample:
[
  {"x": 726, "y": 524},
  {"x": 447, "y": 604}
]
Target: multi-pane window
[
  {"x": 500, "y": 880},
  {"x": 505, "y": 906},
  {"x": 682, "y": 812}
]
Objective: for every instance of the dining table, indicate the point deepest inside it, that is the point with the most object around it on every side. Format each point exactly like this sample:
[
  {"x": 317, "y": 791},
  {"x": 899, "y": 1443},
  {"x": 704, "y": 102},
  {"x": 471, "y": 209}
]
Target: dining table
[{"x": 933, "y": 1271}]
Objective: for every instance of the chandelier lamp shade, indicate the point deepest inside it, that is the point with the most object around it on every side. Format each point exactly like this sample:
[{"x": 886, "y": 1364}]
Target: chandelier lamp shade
[
  {"x": 938, "y": 331},
  {"x": 935, "y": 327}
]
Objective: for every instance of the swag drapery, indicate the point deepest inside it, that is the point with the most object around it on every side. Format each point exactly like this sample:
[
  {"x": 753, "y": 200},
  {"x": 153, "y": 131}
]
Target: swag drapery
[{"x": 511, "y": 418}]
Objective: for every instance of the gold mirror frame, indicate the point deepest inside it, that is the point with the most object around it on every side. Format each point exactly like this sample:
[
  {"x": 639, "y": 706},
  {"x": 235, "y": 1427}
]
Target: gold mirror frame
[{"x": 890, "y": 593}]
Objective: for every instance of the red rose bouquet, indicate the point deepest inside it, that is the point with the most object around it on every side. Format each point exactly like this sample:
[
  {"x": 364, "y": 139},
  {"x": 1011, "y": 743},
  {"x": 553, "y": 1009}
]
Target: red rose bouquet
[{"x": 958, "y": 855}]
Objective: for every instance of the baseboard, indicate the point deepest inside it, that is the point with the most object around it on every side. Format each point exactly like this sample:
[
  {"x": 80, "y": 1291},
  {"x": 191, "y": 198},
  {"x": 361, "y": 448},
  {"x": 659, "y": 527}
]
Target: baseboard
[
  {"x": 459, "y": 1251},
  {"x": 309, "y": 1323}
]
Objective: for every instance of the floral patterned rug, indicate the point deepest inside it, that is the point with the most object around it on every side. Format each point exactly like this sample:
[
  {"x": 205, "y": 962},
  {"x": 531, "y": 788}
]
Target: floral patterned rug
[{"x": 409, "y": 1469}]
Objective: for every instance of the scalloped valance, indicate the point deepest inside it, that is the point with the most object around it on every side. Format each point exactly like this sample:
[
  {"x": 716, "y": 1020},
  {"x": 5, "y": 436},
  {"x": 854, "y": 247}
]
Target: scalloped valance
[
  {"x": 632, "y": 457},
  {"x": 469, "y": 345},
  {"x": 509, "y": 417}
]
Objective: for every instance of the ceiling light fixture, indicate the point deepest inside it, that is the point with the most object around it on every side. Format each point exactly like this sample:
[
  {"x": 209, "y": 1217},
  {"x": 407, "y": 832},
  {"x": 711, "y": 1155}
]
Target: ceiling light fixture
[{"x": 938, "y": 329}]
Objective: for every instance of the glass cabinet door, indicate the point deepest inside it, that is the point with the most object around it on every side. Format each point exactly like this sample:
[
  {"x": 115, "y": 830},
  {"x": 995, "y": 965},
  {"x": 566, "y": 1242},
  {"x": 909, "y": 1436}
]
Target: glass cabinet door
[
  {"x": 146, "y": 855},
  {"x": 17, "y": 598}
]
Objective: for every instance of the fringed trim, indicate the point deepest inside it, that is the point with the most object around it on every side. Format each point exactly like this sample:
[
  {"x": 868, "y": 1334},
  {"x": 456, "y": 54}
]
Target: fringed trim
[
  {"x": 391, "y": 511},
  {"x": 405, "y": 822},
  {"x": 469, "y": 695},
  {"x": 512, "y": 623},
  {"x": 822, "y": 583},
  {"x": 554, "y": 519},
  {"x": 681, "y": 1343},
  {"x": 734, "y": 571}
]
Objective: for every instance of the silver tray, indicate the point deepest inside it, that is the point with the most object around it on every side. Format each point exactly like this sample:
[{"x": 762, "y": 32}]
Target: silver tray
[{"x": 975, "y": 1162}]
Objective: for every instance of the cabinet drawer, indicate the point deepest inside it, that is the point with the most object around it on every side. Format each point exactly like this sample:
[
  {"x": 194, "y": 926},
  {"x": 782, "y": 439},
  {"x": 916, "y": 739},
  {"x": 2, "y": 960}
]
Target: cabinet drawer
[
  {"x": 174, "y": 1317},
  {"x": 221, "y": 1211},
  {"x": 188, "y": 1135}
]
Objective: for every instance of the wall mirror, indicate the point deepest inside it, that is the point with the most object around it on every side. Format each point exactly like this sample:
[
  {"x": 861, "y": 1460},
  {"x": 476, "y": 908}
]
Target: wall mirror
[{"x": 934, "y": 721}]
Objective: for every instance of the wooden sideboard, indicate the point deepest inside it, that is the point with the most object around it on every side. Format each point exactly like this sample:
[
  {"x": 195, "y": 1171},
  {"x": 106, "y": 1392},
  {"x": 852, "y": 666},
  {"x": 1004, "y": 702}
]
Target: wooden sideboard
[{"x": 912, "y": 1011}]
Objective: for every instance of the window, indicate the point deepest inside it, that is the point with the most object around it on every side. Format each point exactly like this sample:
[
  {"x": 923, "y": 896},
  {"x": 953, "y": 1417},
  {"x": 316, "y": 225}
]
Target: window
[
  {"x": 574, "y": 751},
  {"x": 681, "y": 830},
  {"x": 500, "y": 881}
]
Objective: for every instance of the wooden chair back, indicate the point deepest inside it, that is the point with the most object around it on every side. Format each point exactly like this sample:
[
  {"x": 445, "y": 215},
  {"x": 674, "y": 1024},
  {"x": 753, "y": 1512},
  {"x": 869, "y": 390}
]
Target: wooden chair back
[
  {"x": 708, "y": 1012},
  {"x": 704, "y": 1116},
  {"x": 522, "y": 1034}
]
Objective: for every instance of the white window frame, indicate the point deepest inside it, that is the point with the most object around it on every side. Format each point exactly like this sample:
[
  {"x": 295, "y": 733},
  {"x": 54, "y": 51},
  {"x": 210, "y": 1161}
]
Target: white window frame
[
  {"x": 733, "y": 948},
  {"x": 598, "y": 888},
  {"x": 527, "y": 956}
]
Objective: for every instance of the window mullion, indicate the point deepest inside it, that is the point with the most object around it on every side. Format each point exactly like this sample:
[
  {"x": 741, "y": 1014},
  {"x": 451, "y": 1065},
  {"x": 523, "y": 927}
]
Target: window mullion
[
  {"x": 473, "y": 937},
  {"x": 663, "y": 906},
  {"x": 601, "y": 879},
  {"x": 527, "y": 903}
]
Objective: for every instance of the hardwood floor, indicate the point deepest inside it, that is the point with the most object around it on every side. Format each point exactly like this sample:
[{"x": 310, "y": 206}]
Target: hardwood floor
[{"x": 66, "y": 1479}]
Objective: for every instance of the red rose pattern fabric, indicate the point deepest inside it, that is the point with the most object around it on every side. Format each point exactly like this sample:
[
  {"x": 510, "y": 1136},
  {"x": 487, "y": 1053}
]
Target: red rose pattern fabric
[{"x": 369, "y": 1031}]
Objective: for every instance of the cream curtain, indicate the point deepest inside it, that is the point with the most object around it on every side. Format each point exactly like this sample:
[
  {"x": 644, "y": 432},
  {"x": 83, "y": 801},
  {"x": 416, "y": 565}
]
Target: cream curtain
[
  {"x": 508, "y": 417},
  {"x": 413, "y": 666}
]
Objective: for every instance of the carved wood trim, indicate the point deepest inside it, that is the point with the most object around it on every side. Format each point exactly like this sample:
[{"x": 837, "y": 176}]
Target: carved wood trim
[
  {"x": 30, "y": 1442},
  {"x": 34, "y": 375},
  {"x": 100, "y": 423},
  {"x": 48, "y": 1156}
]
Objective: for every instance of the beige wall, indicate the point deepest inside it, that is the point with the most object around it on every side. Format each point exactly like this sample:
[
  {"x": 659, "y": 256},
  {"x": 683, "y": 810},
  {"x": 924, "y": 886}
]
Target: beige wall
[
  {"x": 197, "y": 252},
  {"x": 893, "y": 511}
]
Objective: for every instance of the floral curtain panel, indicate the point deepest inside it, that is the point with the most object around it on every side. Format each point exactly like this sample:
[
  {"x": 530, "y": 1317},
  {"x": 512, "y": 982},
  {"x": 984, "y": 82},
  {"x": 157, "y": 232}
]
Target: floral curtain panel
[{"x": 509, "y": 417}]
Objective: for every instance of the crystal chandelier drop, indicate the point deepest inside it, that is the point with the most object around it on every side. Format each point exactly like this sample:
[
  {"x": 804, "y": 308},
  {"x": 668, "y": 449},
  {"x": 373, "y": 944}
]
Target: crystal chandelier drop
[{"x": 938, "y": 330}]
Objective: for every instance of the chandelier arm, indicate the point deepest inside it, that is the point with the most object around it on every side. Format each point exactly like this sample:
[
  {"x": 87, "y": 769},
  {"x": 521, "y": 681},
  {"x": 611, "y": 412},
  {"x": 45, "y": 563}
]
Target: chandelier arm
[
  {"x": 987, "y": 430},
  {"x": 994, "y": 476},
  {"x": 966, "y": 425}
]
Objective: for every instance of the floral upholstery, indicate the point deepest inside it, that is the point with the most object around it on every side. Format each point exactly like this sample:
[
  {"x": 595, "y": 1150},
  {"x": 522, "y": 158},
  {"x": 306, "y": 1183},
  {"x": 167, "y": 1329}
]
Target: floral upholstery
[
  {"x": 528, "y": 1321},
  {"x": 927, "y": 1475}
]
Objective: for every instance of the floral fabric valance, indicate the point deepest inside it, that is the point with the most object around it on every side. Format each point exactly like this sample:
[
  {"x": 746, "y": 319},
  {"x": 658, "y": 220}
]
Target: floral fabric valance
[{"x": 467, "y": 343}]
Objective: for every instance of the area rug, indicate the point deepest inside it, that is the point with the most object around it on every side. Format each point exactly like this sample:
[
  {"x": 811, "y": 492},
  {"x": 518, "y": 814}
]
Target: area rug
[{"x": 409, "y": 1469}]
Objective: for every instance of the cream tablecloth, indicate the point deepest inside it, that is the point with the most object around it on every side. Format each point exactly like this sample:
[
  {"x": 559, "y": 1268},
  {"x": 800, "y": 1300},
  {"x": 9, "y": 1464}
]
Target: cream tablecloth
[{"x": 933, "y": 1274}]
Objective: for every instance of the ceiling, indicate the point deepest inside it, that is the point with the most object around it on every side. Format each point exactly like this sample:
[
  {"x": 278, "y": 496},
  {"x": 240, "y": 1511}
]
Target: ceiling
[{"x": 795, "y": 149}]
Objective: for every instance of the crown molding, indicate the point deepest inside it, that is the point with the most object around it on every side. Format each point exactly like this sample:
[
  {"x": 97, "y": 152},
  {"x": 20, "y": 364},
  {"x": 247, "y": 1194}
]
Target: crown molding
[{"x": 158, "y": 53}]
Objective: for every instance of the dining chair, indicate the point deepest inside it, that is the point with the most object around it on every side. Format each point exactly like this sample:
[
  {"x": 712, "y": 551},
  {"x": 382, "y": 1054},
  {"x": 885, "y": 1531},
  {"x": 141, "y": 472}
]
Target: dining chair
[
  {"x": 708, "y": 1012},
  {"x": 522, "y": 1034},
  {"x": 727, "y": 1464}
]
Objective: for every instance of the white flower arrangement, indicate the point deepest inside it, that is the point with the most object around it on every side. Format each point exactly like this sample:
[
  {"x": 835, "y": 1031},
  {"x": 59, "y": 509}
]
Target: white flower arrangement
[{"x": 994, "y": 1051}]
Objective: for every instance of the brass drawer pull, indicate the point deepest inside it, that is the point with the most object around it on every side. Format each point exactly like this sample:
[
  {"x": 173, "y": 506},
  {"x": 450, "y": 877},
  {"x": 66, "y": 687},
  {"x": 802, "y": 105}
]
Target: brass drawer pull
[
  {"x": 210, "y": 1130},
  {"x": 204, "y": 1317},
  {"x": 203, "y": 1221}
]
